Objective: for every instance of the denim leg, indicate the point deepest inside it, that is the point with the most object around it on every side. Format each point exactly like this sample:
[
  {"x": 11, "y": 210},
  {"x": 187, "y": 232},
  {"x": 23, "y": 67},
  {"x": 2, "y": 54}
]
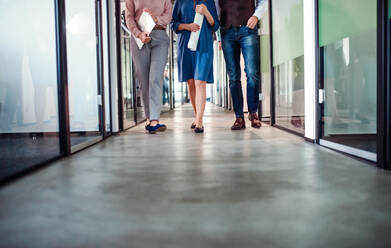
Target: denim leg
[
  {"x": 249, "y": 42},
  {"x": 231, "y": 49}
]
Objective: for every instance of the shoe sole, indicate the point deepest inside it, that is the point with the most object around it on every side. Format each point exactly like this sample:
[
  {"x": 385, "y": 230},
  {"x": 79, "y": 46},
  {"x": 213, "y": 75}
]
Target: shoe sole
[
  {"x": 238, "y": 129},
  {"x": 161, "y": 129}
]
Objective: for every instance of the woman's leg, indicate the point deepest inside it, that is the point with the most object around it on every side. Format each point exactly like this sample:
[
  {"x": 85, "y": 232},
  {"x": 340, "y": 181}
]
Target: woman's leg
[
  {"x": 159, "y": 55},
  {"x": 141, "y": 59},
  {"x": 192, "y": 93},
  {"x": 200, "y": 102}
]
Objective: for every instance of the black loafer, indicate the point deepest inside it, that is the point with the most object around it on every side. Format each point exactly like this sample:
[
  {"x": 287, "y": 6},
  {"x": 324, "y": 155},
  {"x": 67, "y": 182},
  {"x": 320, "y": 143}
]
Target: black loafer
[
  {"x": 193, "y": 125},
  {"x": 199, "y": 130}
]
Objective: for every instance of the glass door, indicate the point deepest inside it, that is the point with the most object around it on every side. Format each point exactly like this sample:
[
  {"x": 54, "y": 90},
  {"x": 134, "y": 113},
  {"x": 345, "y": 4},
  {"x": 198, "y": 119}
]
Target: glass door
[
  {"x": 128, "y": 93},
  {"x": 348, "y": 76},
  {"x": 84, "y": 78},
  {"x": 178, "y": 89},
  {"x": 288, "y": 63}
]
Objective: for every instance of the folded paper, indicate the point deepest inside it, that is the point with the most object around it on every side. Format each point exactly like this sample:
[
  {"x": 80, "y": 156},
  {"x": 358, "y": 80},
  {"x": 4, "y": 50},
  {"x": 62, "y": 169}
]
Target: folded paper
[{"x": 146, "y": 24}]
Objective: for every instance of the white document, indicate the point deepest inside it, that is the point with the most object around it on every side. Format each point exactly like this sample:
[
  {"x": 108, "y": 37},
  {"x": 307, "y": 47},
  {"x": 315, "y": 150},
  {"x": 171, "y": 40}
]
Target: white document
[
  {"x": 146, "y": 24},
  {"x": 195, "y": 36}
]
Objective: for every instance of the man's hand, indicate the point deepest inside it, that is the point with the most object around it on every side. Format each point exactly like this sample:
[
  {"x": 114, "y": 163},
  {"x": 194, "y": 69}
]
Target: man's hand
[
  {"x": 144, "y": 37},
  {"x": 252, "y": 22},
  {"x": 150, "y": 12},
  {"x": 193, "y": 27}
]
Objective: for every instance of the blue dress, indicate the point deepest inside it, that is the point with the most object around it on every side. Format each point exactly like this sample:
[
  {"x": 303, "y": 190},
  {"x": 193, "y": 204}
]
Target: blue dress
[{"x": 197, "y": 65}]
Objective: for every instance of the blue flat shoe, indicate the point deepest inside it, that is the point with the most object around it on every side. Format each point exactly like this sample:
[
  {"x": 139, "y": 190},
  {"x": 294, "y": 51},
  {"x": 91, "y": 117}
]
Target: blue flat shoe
[
  {"x": 156, "y": 128},
  {"x": 161, "y": 127}
]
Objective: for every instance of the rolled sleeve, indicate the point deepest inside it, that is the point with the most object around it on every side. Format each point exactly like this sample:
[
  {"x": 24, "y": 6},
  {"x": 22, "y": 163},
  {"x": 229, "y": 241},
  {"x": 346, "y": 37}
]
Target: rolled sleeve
[
  {"x": 176, "y": 17},
  {"x": 131, "y": 19},
  {"x": 165, "y": 18},
  {"x": 215, "y": 16},
  {"x": 261, "y": 7}
]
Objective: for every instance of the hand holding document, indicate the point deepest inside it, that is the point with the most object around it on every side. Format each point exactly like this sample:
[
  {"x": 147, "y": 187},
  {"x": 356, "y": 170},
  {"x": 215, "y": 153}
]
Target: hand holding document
[
  {"x": 146, "y": 24},
  {"x": 195, "y": 36}
]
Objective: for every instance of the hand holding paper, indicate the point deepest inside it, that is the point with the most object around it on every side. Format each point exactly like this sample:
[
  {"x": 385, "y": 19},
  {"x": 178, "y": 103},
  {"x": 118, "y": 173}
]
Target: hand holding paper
[
  {"x": 195, "y": 36},
  {"x": 146, "y": 25}
]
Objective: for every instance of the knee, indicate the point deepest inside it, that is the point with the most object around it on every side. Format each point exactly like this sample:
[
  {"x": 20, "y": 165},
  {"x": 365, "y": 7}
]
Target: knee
[
  {"x": 252, "y": 76},
  {"x": 200, "y": 84},
  {"x": 191, "y": 83},
  {"x": 234, "y": 74},
  {"x": 234, "y": 84}
]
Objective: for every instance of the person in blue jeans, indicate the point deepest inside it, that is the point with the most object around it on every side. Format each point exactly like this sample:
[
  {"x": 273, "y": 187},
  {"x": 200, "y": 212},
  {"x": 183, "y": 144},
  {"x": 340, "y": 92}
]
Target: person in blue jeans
[
  {"x": 239, "y": 21},
  {"x": 195, "y": 67}
]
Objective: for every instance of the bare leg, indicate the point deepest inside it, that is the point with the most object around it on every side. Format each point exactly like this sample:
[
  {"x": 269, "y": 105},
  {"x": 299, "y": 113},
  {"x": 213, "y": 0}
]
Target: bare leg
[
  {"x": 200, "y": 102},
  {"x": 192, "y": 93}
]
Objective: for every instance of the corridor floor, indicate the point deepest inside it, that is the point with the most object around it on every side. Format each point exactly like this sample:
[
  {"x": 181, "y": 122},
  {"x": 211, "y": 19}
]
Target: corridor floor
[{"x": 252, "y": 188}]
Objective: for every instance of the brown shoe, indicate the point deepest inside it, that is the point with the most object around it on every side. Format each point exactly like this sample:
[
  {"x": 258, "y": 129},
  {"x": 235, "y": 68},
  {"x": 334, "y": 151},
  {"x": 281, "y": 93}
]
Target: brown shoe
[
  {"x": 239, "y": 124},
  {"x": 255, "y": 123}
]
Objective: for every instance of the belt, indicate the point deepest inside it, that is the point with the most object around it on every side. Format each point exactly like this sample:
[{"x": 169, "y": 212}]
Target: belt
[{"x": 159, "y": 28}]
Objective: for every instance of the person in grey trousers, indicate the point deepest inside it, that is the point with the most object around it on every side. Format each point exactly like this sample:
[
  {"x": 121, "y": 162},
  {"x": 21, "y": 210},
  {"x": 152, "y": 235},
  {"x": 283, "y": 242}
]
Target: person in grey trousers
[{"x": 151, "y": 59}]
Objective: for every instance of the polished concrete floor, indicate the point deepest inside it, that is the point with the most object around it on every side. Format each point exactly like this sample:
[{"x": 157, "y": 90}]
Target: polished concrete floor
[{"x": 252, "y": 188}]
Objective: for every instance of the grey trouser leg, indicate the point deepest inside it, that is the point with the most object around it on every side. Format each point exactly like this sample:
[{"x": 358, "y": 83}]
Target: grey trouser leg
[{"x": 150, "y": 63}]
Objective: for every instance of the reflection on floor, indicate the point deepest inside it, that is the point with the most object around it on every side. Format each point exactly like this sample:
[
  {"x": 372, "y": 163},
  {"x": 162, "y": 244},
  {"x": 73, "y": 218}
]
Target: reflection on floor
[
  {"x": 293, "y": 123},
  {"x": 20, "y": 151},
  {"x": 252, "y": 188},
  {"x": 365, "y": 142}
]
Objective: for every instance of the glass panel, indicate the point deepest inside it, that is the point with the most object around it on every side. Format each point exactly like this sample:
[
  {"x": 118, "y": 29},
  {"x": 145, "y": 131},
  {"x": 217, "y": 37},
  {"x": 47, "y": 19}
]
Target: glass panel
[
  {"x": 350, "y": 78},
  {"x": 389, "y": 9},
  {"x": 289, "y": 81},
  {"x": 180, "y": 89},
  {"x": 265, "y": 66},
  {"x": 288, "y": 55},
  {"x": 106, "y": 69},
  {"x": 127, "y": 81},
  {"x": 82, "y": 70},
  {"x": 338, "y": 19},
  {"x": 29, "y": 130},
  {"x": 166, "y": 82},
  {"x": 288, "y": 30}
]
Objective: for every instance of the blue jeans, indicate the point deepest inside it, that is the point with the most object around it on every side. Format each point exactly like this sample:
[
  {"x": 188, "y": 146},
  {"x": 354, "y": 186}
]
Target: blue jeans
[{"x": 245, "y": 40}]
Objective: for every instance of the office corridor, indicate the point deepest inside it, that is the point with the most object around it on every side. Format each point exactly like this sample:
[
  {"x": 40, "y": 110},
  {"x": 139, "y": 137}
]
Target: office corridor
[{"x": 252, "y": 188}]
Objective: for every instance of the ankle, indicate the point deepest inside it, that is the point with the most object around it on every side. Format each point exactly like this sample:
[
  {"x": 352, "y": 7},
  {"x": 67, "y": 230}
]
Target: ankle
[
  {"x": 154, "y": 122},
  {"x": 199, "y": 124}
]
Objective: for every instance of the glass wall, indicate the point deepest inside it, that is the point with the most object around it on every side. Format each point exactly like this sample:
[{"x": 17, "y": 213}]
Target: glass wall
[
  {"x": 29, "y": 126},
  {"x": 288, "y": 63},
  {"x": 220, "y": 77},
  {"x": 347, "y": 37},
  {"x": 180, "y": 93},
  {"x": 265, "y": 67},
  {"x": 167, "y": 80},
  {"x": 128, "y": 94}
]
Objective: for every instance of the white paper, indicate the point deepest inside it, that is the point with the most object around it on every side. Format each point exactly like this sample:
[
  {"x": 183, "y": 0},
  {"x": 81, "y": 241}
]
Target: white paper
[
  {"x": 195, "y": 36},
  {"x": 146, "y": 24}
]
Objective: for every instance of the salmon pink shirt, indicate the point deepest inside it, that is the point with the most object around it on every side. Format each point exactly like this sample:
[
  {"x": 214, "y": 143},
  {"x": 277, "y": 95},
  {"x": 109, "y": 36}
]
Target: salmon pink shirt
[{"x": 162, "y": 9}]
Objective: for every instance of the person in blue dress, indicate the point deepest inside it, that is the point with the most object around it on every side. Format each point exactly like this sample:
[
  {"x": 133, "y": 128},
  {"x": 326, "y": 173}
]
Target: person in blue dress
[{"x": 195, "y": 67}]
